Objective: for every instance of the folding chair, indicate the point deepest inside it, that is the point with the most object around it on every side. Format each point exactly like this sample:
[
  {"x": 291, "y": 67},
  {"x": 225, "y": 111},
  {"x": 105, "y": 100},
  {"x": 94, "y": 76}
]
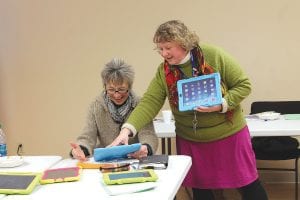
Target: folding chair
[{"x": 283, "y": 107}]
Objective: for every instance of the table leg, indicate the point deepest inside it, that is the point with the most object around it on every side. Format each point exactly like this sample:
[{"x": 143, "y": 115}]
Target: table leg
[
  {"x": 169, "y": 146},
  {"x": 163, "y": 148}
]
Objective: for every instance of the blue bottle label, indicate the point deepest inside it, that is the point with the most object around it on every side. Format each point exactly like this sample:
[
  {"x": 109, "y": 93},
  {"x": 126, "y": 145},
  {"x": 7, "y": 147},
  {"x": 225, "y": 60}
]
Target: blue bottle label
[{"x": 3, "y": 150}]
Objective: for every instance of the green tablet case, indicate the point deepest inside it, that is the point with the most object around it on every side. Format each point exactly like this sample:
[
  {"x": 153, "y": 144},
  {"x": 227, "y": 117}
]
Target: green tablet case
[
  {"x": 125, "y": 177},
  {"x": 17, "y": 182}
]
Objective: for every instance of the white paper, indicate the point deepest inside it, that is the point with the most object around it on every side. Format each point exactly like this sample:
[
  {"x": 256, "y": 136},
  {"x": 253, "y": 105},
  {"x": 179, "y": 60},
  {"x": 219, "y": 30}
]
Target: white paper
[{"x": 128, "y": 188}]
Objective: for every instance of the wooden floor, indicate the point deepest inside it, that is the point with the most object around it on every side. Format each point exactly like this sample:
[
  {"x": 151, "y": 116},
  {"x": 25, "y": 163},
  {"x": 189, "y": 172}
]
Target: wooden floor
[{"x": 284, "y": 191}]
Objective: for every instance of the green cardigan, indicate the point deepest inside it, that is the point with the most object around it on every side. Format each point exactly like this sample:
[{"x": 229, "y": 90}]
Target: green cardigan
[{"x": 211, "y": 126}]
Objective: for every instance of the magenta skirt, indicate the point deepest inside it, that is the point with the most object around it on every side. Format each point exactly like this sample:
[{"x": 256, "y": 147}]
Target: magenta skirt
[{"x": 225, "y": 163}]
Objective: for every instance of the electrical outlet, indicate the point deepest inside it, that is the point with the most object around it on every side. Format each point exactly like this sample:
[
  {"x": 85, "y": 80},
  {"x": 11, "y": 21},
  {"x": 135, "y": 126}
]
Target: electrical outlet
[{"x": 20, "y": 150}]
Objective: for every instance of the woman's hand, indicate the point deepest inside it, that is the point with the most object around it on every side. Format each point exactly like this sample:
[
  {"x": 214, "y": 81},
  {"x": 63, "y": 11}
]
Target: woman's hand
[
  {"x": 143, "y": 152},
  {"x": 122, "y": 138},
  {"x": 77, "y": 152},
  {"x": 203, "y": 109}
]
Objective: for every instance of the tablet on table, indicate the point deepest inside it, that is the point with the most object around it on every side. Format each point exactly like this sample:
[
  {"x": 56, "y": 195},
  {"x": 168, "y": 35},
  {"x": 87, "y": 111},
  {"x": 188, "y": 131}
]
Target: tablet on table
[
  {"x": 17, "y": 182},
  {"x": 61, "y": 175},
  {"x": 135, "y": 176}
]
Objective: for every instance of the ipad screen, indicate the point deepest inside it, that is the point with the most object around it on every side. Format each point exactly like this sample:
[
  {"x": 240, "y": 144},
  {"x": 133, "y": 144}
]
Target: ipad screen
[{"x": 129, "y": 175}]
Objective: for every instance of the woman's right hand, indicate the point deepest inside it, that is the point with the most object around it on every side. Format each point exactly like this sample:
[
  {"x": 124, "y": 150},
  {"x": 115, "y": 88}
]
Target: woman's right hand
[
  {"x": 122, "y": 138},
  {"x": 77, "y": 152}
]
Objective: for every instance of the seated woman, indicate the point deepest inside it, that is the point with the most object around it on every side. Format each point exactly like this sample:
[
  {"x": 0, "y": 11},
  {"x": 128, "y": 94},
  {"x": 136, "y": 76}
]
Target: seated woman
[{"x": 109, "y": 111}]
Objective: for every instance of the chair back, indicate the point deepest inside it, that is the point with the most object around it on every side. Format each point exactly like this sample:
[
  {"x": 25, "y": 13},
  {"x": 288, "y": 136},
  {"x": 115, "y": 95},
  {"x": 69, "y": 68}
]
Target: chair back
[
  {"x": 283, "y": 107},
  {"x": 275, "y": 147}
]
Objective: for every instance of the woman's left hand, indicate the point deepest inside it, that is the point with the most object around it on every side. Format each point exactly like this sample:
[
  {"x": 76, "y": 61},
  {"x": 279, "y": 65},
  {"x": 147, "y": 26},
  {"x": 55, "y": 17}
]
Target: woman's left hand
[
  {"x": 143, "y": 152},
  {"x": 203, "y": 109}
]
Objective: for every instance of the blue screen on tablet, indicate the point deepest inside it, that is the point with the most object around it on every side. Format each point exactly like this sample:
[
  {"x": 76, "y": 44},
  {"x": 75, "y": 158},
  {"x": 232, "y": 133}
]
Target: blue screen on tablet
[{"x": 202, "y": 90}]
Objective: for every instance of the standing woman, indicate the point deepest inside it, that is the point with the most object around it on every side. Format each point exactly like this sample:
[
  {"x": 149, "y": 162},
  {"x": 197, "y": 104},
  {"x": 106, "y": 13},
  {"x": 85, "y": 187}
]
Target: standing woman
[
  {"x": 109, "y": 111},
  {"x": 217, "y": 137}
]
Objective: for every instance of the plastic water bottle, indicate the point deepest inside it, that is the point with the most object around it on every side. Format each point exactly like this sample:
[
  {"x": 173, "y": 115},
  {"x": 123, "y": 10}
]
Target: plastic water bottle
[{"x": 3, "y": 150}]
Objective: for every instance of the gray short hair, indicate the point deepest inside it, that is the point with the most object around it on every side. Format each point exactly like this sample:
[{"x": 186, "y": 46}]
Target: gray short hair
[
  {"x": 177, "y": 31},
  {"x": 117, "y": 71}
]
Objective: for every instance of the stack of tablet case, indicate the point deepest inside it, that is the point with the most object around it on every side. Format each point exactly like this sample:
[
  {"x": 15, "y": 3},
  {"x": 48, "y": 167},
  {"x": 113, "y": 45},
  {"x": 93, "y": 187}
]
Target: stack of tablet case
[
  {"x": 115, "y": 167},
  {"x": 202, "y": 90},
  {"x": 110, "y": 153}
]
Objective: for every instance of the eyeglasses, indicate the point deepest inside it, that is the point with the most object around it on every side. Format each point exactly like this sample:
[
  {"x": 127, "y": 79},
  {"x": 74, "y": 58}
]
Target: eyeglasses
[{"x": 112, "y": 91}]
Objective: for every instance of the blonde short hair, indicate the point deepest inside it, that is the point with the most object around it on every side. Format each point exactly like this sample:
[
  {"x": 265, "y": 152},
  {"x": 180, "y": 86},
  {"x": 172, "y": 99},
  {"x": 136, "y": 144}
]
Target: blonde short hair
[{"x": 177, "y": 31}]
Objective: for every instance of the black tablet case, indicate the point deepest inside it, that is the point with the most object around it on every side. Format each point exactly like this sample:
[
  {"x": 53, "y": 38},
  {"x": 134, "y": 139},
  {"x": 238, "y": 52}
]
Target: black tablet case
[{"x": 155, "y": 159}]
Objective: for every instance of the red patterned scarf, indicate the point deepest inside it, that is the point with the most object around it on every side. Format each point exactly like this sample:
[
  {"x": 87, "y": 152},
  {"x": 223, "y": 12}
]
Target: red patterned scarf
[{"x": 173, "y": 73}]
